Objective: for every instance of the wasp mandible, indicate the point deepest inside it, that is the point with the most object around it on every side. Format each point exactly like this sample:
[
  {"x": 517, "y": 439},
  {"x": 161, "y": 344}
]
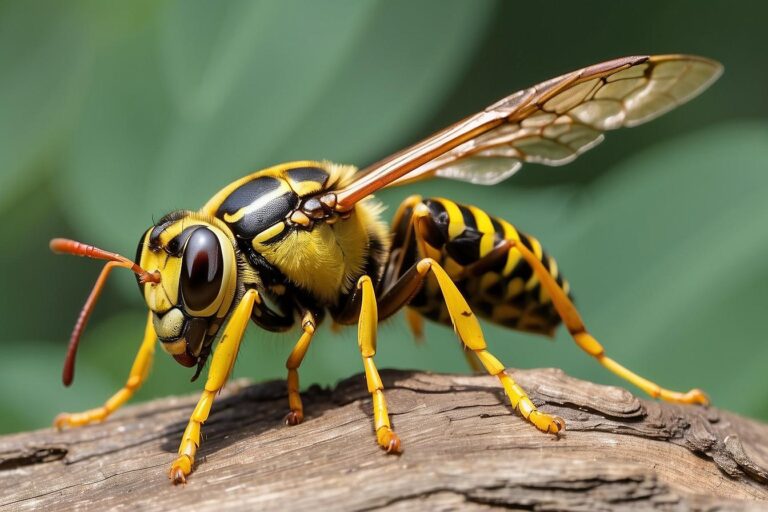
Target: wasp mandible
[{"x": 301, "y": 240}]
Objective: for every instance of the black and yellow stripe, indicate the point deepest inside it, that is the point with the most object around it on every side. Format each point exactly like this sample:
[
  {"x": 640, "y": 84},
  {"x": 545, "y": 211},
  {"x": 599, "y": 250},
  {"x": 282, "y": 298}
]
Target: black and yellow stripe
[{"x": 507, "y": 292}]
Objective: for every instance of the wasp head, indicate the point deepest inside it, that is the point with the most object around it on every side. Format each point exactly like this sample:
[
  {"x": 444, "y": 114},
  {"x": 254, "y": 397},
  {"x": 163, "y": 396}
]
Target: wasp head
[{"x": 197, "y": 264}]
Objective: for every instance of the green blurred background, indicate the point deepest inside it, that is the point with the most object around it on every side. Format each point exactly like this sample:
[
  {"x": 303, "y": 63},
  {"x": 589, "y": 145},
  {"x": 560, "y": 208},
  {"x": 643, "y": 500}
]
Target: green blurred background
[{"x": 114, "y": 113}]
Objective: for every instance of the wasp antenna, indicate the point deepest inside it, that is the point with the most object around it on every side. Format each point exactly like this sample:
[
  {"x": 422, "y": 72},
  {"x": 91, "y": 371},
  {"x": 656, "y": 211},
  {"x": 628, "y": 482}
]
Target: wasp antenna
[
  {"x": 82, "y": 320},
  {"x": 66, "y": 246}
]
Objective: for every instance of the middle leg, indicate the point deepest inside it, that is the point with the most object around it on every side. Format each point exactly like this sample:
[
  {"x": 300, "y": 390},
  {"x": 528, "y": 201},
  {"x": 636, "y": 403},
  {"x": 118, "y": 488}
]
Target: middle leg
[
  {"x": 586, "y": 342},
  {"x": 366, "y": 336},
  {"x": 467, "y": 328},
  {"x": 308, "y": 325}
]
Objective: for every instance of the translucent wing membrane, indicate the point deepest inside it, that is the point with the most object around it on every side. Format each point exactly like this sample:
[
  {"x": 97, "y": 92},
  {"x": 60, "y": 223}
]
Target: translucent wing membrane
[
  {"x": 496, "y": 155},
  {"x": 551, "y": 123},
  {"x": 568, "y": 115}
]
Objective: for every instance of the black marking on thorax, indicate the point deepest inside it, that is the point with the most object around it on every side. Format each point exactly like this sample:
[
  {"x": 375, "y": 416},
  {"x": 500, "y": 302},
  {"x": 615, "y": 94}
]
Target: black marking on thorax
[
  {"x": 267, "y": 200},
  {"x": 266, "y": 214},
  {"x": 315, "y": 174}
]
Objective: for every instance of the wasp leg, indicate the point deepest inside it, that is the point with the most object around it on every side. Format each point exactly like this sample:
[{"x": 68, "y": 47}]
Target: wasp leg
[
  {"x": 221, "y": 366},
  {"x": 404, "y": 226},
  {"x": 366, "y": 340},
  {"x": 468, "y": 329},
  {"x": 137, "y": 376},
  {"x": 308, "y": 325},
  {"x": 572, "y": 320}
]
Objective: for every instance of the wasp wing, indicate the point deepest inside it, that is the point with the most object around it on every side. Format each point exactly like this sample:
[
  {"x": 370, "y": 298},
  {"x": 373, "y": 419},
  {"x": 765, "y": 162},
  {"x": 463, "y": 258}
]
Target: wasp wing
[{"x": 550, "y": 123}]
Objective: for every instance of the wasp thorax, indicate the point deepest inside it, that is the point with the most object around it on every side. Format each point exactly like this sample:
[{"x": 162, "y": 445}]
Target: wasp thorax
[{"x": 197, "y": 262}]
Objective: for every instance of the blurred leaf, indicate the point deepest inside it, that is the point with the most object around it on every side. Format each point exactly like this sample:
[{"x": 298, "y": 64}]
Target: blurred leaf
[
  {"x": 41, "y": 85},
  {"x": 32, "y": 382}
]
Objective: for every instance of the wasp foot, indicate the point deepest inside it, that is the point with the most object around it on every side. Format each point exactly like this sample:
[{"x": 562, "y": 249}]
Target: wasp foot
[
  {"x": 78, "y": 419},
  {"x": 388, "y": 440},
  {"x": 180, "y": 468},
  {"x": 294, "y": 418}
]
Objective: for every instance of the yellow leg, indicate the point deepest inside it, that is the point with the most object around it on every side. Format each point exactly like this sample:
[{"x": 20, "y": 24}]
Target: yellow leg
[
  {"x": 221, "y": 366},
  {"x": 468, "y": 329},
  {"x": 137, "y": 376},
  {"x": 590, "y": 345},
  {"x": 366, "y": 339},
  {"x": 296, "y": 415}
]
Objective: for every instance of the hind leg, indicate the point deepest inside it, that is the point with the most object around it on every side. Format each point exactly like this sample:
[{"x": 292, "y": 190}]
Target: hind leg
[
  {"x": 413, "y": 227},
  {"x": 403, "y": 237},
  {"x": 467, "y": 328},
  {"x": 572, "y": 320}
]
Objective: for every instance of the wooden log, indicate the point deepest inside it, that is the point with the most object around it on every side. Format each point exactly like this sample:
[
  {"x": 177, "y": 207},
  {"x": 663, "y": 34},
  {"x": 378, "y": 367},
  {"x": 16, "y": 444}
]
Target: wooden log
[{"x": 464, "y": 449}]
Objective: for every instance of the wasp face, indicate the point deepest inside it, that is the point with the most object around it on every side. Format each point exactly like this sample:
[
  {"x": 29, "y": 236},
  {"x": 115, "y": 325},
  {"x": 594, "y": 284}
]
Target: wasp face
[{"x": 196, "y": 261}]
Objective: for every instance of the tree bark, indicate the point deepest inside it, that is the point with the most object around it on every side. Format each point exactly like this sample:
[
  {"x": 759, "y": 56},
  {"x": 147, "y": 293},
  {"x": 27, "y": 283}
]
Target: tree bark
[{"x": 463, "y": 448}]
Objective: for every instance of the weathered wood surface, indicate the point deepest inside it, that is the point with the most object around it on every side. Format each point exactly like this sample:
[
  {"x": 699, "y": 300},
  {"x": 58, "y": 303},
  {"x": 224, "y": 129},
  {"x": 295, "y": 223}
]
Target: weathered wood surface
[{"x": 463, "y": 449}]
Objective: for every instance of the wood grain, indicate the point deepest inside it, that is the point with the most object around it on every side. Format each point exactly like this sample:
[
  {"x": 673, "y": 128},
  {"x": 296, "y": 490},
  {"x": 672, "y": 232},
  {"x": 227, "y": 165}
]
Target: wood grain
[{"x": 464, "y": 449}]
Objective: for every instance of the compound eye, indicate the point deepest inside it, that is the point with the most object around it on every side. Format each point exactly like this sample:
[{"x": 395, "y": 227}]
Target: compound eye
[{"x": 201, "y": 270}]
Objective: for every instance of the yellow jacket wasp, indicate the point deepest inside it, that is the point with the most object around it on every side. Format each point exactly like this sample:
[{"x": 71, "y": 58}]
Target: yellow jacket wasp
[{"x": 304, "y": 239}]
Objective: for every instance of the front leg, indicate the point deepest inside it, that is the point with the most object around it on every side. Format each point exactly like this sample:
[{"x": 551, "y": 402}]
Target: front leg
[
  {"x": 221, "y": 366},
  {"x": 139, "y": 373}
]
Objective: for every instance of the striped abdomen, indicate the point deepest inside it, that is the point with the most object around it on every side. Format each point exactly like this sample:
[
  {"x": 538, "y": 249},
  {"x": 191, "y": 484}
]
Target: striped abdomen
[{"x": 506, "y": 291}]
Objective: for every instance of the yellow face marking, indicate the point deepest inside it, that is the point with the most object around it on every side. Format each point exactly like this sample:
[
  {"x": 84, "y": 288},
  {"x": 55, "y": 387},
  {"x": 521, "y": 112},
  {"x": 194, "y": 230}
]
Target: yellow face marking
[
  {"x": 164, "y": 295},
  {"x": 157, "y": 298},
  {"x": 161, "y": 297}
]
